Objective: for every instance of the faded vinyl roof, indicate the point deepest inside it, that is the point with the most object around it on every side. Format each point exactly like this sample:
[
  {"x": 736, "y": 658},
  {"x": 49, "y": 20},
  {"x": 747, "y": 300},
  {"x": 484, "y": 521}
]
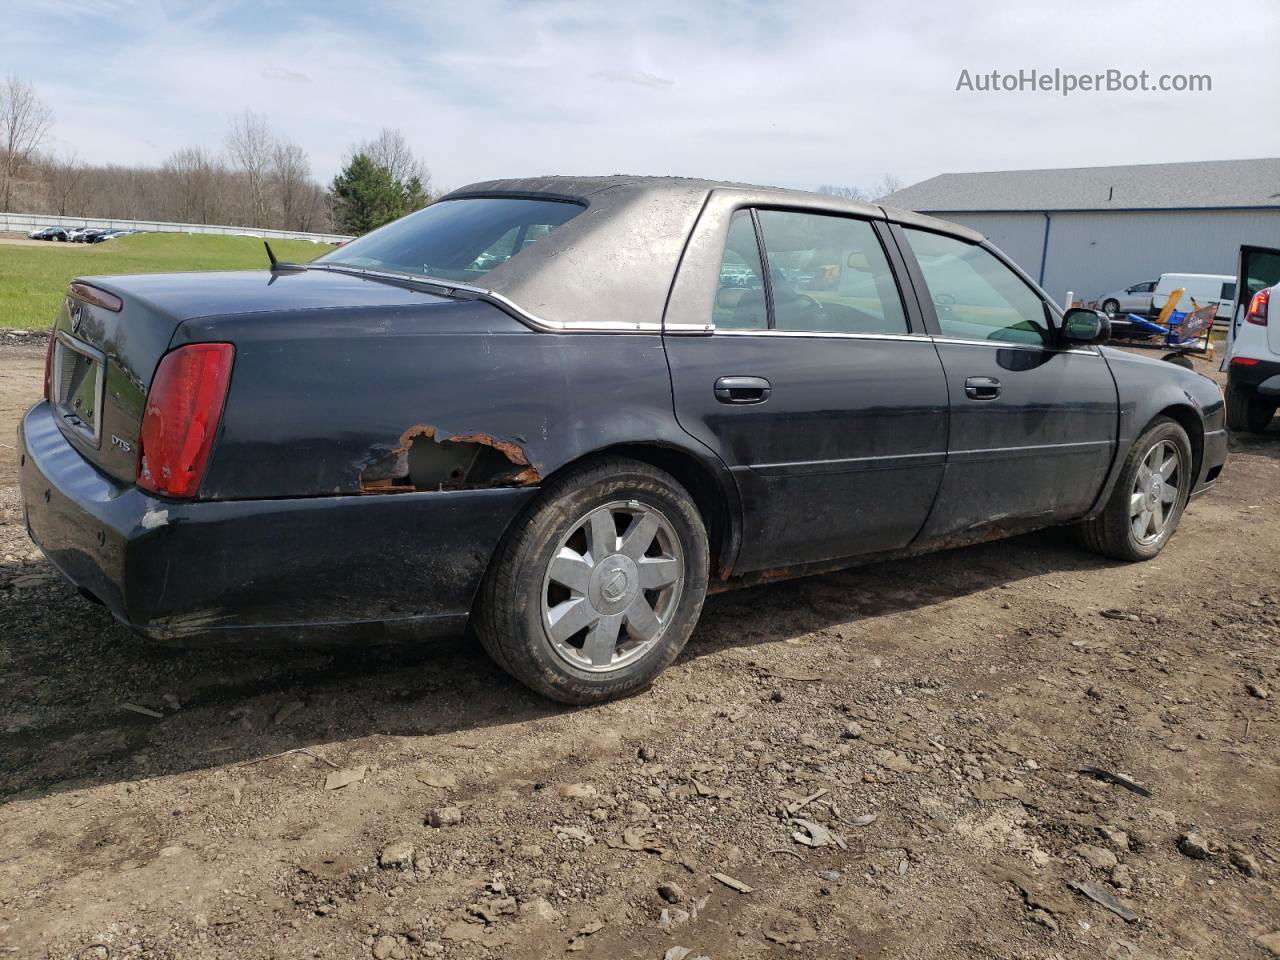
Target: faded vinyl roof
[
  {"x": 612, "y": 266},
  {"x": 586, "y": 188},
  {"x": 1209, "y": 184}
]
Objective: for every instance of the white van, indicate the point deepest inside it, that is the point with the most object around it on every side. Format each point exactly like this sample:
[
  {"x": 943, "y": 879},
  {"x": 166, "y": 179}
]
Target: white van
[{"x": 1204, "y": 288}]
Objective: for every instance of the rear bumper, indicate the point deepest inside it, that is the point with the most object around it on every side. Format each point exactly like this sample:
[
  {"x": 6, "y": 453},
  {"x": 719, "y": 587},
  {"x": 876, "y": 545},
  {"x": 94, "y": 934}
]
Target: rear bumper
[
  {"x": 1262, "y": 377},
  {"x": 350, "y": 568}
]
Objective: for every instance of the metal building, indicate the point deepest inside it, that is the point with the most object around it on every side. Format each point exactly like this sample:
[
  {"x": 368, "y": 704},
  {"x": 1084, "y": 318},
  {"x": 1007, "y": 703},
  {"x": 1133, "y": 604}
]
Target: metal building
[{"x": 1092, "y": 230}]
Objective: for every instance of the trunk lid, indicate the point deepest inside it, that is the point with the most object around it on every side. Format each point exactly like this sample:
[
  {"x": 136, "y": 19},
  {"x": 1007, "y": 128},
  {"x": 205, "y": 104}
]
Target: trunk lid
[{"x": 103, "y": 358}]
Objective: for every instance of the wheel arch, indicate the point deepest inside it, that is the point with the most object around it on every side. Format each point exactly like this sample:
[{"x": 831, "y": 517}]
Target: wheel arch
[
  {"x": 1189, "y": 419},
  {"x": 708, "y": 482},
  {"x": 1181, "y": 412}
]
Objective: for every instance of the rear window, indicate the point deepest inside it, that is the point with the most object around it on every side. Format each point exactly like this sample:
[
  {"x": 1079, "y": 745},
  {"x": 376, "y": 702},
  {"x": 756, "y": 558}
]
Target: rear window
[{"x": 456, "y": 239}]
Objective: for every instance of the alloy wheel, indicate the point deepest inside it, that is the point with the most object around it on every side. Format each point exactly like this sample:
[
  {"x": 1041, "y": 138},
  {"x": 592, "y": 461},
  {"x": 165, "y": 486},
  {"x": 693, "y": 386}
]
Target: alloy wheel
[
  {"x": 1156, "y": 490},
  {"x": 612, "y": 586}
]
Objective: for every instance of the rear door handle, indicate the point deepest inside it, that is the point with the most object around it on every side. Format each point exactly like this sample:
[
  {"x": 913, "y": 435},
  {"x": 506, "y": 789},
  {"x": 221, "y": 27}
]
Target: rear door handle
[
  {"x": 743, "y": 389},
  {"x": 982, "y": 388}
]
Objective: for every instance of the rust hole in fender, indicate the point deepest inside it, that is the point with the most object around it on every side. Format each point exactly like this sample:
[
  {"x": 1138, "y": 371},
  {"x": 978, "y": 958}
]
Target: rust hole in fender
[{"x": 426, "y": 458}]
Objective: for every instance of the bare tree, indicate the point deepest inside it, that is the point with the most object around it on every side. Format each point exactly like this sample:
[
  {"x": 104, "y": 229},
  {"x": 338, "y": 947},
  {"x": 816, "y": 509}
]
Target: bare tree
[
  {"x": 251, "y": 145},
  {"x": 390, "y": 149},
  {"x": 193, "y": 176},
  {"x": 888, "y": 184},
  {"x": 844, "y": 193},
  {"x": 24, "y": 123},
  {"x": 65, "y": 180},
  {"x": 291, "y": 174}
]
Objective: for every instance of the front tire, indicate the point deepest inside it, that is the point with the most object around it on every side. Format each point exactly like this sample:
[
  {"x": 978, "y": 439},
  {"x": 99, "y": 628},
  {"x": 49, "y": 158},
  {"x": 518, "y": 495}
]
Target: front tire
[
  {"x": 1149, "y": 496},
  {"x": 597, "y": 588}
]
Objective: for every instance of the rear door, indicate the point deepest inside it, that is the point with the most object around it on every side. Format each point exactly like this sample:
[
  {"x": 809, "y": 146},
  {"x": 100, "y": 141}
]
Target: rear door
[
  {"x": 1033, "y": 425},
  {"x": 813, "y": 385}
]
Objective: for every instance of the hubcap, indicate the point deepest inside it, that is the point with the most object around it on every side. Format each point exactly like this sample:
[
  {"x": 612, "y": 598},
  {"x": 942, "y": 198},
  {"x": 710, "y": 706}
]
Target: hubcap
[
  {"x": 612, "y": 586},
  {"x": 1155, "y": 492}
]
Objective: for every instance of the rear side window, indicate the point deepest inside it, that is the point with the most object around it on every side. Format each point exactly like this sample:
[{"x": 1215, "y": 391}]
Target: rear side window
[
  {"x": 829, "y": 274},
  {"x": 977, "y": 297},
  {"x": 456, "y": 239},
  {"x": 740, "y": 303}
]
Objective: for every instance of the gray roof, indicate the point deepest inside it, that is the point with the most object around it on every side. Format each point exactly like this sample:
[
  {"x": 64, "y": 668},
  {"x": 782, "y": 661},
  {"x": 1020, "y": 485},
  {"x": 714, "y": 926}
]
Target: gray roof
[
  {"x": 612, "y": 266},
  {"x": 1209, "y": 184}
]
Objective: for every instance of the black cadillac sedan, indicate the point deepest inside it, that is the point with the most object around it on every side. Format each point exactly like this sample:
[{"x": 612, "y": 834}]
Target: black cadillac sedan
[{"x": 561, "y": 410}]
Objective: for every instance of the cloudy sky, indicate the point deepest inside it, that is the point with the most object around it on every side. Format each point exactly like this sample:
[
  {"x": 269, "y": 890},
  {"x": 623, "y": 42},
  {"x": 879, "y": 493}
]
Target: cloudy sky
[{"x": 794, "y": 93}]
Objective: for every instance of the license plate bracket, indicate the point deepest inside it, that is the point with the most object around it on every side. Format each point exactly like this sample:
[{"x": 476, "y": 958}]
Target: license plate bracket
[{"x": 77, "y": 377}]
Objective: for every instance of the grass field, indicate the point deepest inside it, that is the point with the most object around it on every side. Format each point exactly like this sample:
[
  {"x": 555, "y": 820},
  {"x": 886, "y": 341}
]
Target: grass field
[{"x": 33, "y": 278}]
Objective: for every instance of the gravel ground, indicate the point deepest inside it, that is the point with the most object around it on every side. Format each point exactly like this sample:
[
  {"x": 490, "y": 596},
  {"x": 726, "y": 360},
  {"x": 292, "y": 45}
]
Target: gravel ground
[{"x": 879, "y": 763}]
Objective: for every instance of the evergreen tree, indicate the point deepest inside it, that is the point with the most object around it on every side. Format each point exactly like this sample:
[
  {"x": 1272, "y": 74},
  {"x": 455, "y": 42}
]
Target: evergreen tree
[
  {"x": 415, "y": 195},
  {"x": 365, "y": 196}
]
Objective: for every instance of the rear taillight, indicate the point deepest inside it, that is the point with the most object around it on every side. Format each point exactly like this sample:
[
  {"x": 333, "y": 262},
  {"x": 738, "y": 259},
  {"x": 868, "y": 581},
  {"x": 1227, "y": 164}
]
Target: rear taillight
[
  {"x": 1258, "y": 307},
  {"x": 181, "y": 417},
  {"x": 48, "y": 369},
  {"x": 1243, "y": 362}
]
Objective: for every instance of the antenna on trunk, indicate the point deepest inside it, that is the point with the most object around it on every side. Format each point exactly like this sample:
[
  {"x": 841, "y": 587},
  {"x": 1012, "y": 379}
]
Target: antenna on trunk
[{"x": 281, "y": 266}]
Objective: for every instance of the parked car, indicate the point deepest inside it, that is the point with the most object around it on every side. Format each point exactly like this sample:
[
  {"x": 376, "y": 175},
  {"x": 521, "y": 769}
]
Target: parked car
[
  {"x": 90, "y": 234},
  {"x": 568, "y": 442},
  {"x": 49, "y": 233},
  {"x": 76, "y": 234},
  {"x": 1204, "y": 288},
  {"x": 1134, "y": 299},
  {"x": 1252, "y": 355}
]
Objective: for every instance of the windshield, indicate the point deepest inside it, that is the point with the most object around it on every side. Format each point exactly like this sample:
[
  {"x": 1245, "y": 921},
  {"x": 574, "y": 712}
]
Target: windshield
[{"x": 455, "y": 239}]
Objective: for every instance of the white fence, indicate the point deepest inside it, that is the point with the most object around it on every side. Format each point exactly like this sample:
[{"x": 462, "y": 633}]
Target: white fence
[{"x": 26, "y": 222}]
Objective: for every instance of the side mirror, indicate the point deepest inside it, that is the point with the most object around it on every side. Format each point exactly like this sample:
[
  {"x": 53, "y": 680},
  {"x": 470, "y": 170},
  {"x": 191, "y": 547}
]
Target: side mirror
[{"x": 1082, "y": 326}]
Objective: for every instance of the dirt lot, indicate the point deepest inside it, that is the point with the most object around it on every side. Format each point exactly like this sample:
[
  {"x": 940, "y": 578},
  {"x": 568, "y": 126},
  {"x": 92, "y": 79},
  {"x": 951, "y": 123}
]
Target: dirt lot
[
  {"x": 922, "y": 722},
  {"x": 21, "y": 240}
]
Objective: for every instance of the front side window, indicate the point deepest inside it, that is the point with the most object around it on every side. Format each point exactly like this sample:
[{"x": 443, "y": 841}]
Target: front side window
[
  {"x": 829, "y": 274},
  {"x": 456, "y": 239},
  {"x": 1145, "y": 287},
  {"x": 977, "y": 297}
]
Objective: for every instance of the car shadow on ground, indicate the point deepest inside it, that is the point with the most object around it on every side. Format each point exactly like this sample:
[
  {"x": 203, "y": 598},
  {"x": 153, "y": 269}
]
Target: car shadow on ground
[
  {"x": 68, "y": 671},
  {"x": 1262, "y": 445}
]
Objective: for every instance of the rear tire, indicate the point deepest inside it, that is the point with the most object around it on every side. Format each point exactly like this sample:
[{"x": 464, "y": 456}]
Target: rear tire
[
  {"x": 1111, "y": 307},
  {"x": 1246, "y": 412},
  {"x": 1120, "y": 530},
  {"x": 1179, "y": 359},
  {"x": 614, "y": 551}
]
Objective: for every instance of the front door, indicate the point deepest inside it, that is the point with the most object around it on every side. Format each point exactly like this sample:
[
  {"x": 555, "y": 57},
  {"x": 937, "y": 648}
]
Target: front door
[
  {"x": 1137, "y": 299},
  {"x": 1033, "y": 424},
  {"x": 828, "y": 408}
]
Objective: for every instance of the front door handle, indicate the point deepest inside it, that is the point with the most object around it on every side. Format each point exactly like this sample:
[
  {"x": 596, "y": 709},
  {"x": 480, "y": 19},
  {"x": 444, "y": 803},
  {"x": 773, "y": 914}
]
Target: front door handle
[
  {"x": 982, "y": 388},
  {"x": 743, "y": 389}
]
